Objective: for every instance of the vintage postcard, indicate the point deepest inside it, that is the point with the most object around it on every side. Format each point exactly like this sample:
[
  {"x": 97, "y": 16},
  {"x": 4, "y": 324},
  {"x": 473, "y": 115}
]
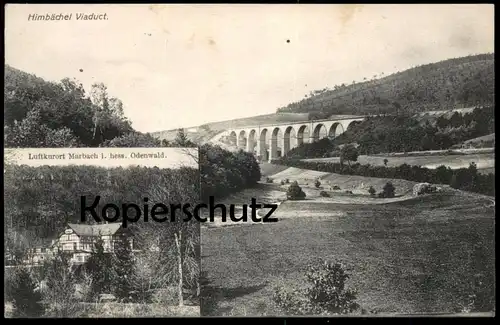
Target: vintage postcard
[{"x": 343, "y": 157}]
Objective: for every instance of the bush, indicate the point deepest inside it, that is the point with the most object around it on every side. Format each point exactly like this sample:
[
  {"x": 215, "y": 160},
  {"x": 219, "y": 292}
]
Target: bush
[
  {"x": 295, "y": 192},
  {"x": 325, "y": 293},
  {"x": 317, "y": 183},
  {"x": 26, "y": 298},
  {"x": 269, "y": 180},
  {"x": 372, "y": 191},
  {"x": 287, "y": 181},
  {"x": 348, "y": 192},
  {"x": 335, "y": 187},
  {"x": 324, "y": 194},
  {"x": 389, "y": 190},
  {"x": 349, "y": 153},
  {"x": 282, "y": 182},
  {"x": 467, "y": 179}
]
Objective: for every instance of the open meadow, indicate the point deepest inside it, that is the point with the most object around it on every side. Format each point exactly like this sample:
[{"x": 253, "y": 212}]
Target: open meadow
[{"x": 409, "y": 255}]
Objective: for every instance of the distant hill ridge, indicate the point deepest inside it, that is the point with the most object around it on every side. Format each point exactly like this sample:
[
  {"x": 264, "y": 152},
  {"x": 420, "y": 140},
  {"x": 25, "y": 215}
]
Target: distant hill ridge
[{"x": 454, "y": 83}]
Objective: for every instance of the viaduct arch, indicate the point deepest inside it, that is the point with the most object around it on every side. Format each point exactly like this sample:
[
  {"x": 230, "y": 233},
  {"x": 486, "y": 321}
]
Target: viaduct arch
[{"x": 269, "y": 142}]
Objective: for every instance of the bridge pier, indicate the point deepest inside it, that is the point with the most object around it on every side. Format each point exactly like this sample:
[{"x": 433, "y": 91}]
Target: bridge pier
[
  {"x": 273, "y": 149},
  {"x": 250, "y": 145},
  {"x": 262, "y": 151},
  {"x": 286, "y": 146}
]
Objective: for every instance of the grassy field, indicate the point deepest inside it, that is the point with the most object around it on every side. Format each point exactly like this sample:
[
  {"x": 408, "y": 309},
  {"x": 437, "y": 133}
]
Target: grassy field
[
  {"x": 484, "y": 161},
  {"x": 414, "y": 255},
  {"x": 419, "y": 255},
  {"x": 354, "y": 183}
]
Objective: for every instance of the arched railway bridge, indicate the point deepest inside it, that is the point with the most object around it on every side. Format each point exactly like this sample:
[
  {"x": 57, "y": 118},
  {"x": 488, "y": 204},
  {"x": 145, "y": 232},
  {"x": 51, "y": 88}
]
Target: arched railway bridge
[{"x": 269, "y": 142}]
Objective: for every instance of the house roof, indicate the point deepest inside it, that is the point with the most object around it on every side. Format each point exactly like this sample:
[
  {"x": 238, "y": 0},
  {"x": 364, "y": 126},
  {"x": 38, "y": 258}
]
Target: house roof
[{"x": 95, "y": 230}]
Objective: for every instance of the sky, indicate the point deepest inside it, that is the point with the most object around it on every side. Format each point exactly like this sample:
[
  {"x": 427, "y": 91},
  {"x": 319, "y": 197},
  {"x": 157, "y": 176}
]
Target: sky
[{"x": 185, "y": 65}]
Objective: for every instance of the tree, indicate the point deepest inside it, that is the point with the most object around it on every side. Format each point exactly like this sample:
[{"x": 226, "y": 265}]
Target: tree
[
  {"x": 454, "y": 182},
  {"x": 295, "y": 192},
  {"x": 389, "y": 190},
  {"x": 473, "y": 176},
  {"x": 60, "y": 292},
  {"x": 99, "y": 267},
  {"x": 349, "y": 153},
  {"x": 108, "y": 119},
  {"x": 456, "y": 120},
  {"x": 223, "y": 172},
  {"x": 116, "y": 107},
  {"x": 442, "y": 122},
  {"x": 317, "y": 183},
  {"x": 385, "y": 162},
  {"x": 32, "y": 132},
  {"x": 49, "y": 114},
  {"x": 372, "y": 191},
  {"x": 146, "y": 275},
  {"x": 179, "y": 239},
  {"x": 133, "y": 140},
  {"x": 123, "y": 268},
  {"x": 182, "y": 140},
  {"x": 25, "y": 296}
]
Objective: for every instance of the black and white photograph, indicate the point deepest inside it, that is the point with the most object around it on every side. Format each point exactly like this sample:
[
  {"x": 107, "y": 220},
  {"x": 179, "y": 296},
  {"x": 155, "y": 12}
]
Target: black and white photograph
[
  {"x": 75, "y": 245},
  {"x": 344, "y": 155}
]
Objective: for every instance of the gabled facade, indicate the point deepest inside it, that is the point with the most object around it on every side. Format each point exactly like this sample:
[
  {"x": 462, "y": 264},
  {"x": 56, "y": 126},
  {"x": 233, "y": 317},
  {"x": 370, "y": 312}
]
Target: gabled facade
[{"x": 79, "y": 239}]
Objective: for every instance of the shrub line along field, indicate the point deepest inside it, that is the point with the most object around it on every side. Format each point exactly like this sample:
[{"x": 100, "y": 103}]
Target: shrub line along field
[
  {"x": 417, "y": 255},
  {"x": 484, "y": 161}
]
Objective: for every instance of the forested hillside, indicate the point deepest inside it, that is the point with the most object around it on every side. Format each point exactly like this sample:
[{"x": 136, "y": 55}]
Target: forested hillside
[
  {"x": 38, "y": 113},
  {"x": 461, "y": 82},
  {"x": 402, "y": 133},
  {"x": 43, "y": 200}
]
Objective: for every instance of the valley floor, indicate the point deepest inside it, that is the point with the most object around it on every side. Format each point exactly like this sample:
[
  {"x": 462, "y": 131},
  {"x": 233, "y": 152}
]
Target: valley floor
[{"x": 423, "y": 254}]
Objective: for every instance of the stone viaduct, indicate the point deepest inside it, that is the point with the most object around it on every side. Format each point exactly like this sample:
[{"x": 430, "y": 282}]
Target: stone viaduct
[{"x": 269, "y": 142}]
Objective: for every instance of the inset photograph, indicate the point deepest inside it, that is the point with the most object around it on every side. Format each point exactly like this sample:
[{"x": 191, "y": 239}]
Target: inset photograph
[{"x": 86, "y": 237}]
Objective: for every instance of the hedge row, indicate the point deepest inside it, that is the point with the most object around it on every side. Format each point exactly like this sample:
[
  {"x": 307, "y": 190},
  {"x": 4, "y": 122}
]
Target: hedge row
[{"x": 467, "y": 179}]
